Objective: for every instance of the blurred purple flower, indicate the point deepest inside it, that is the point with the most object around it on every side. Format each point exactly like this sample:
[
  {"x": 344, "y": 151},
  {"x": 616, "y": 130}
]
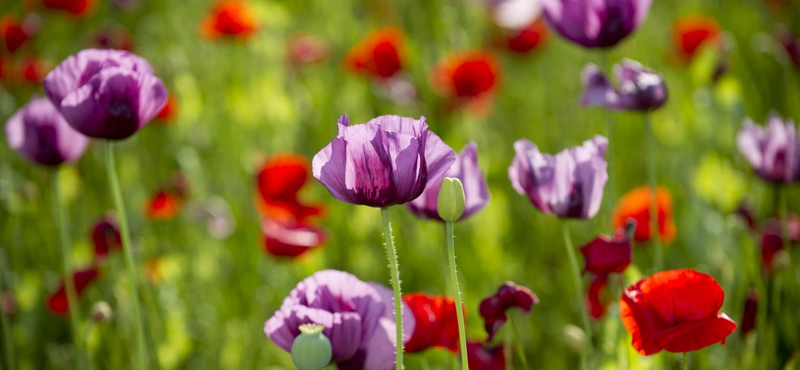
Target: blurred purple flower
[
  {"x": 39, "y": 133},
  {"x": 774, "y": 151},
  {"x": 357, "y": 317},
  {"x": 640, "y": 88},
  {"x": 386, "y": 161},
  {"x": 595, "y": 23},
  {"x": 465, "y": 169},
  {"x": 509, "y": 295},
  {"x": 569, "y": 184},
  {"x": 106, "y": 94}
]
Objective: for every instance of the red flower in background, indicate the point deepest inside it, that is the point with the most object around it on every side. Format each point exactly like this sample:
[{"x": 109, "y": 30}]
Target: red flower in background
[
  {"x": 791, "y": 44},
  {"x": 105, "y": 236},
  {"x": 229, "y": 18},
  {"x": 32, "y": 70},
  {"x": 58, "y": 303},
  {"x": 279, "y": 181},
  {"x": 675, "y": 310},
  {"x": 467, "y": 75},
  {"x": 380, "y": 54},
  {"x": 772, "y": 239},
  {"x": 691, "y": 32},
  {"x": 436, "y": 322},
  {"x": 166, "y": 202},
  {"x": 288, "y": 238},
  {"x": 16, "y": 33},
  {"x": 493, "y": 309},
  {"x": 303, "y": 50},
  {"x": 528, "y": 38},
  {"x": 169, "y": 113},
  {"x": 605, "y": 255},
  {"x": 749, "y": 314},
  {"x": 635, "y": 205},
  {"x": 482, "y": 357},
  {"x": 76, "y": 7},
  {"x": 597, "y": 306},
  {"x": 114, "y": 38}
]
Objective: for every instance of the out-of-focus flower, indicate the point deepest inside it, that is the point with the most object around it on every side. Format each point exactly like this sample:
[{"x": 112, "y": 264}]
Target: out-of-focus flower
[
  {"x": 436, "y": 322},
  {"x": 75, "y": 7},
  {"x": 605, "y": 255},
  {"x": 640, "y": 88},
  {"x": 229, "y": 19},
  {"x": 169, "y": 113},
  {"x": 303, "y": 50},
  {"x": 675, "y": 310},
  {"x": 40, "y": 134},
  {"x": 287, "y": 238},
  {"x": 357, "y": 317},
  {"x": 527, "y": 39},
  {"x": 515, "y": 15},
  {"x": 114, "y": 38},
  {"x": 58, "y": 301},
  {"x": 279, "y": 181},
  {"x": 493, "y": 309},
  {"x": 749, "y": 313},
  {"x": 16, "y": 33},
  {"x": 101, "y": 312},
  {"x": 386, "y": 161},
  {"x": 772, "y": 239},
  {"x": 380, "y": 54},
  {"x": 745, "y": 211},
  {"x": 468, "y": 75},
  {"x": 465, "y": 169},
  {"x": 154, "y": 270},
  {"x": 791, "y": 44},
  {"x": 597, "y": 307},
  {"x": 483, "y": 357},
  {"x": 774, "y": 151},
  {"x": 106, "y": 94},
  {"x": 595, "y": 23},
  {"x": 569, "y": 184},
  {"x": 105, "y": 235},
  {"x": 691, "y": 32},
  {"x": 166, "y": 202},
  {"x": 635, "y": 205},
  {"x": 32, "y": 70},
  {"x": 8, "y": 303}
]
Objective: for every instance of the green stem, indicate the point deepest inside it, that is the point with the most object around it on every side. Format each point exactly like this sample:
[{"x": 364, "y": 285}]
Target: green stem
[
  {"x": 655, "y": 233},
  {"x": 576, "y": 274},
  {"x": 113, "y": 180},
  {"x": 7, "y": 336},
  {"x": 394, "y": 267},
  {"x": 520, "y": 350},
  {"x": 684, "y": 360},
  {"x": 610, "y": 192},
  {"x": 462, "y": 331}
]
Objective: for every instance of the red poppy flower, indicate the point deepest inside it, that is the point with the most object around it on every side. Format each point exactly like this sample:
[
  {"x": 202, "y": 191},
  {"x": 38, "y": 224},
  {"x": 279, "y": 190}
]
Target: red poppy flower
[
  {"x": 467, "y": 75},
  {"x": 749, "y": 314},
  {"x": 76, "y": 7},
  {"x": 279, "y": 181},
  {"x": 169, "y": 113},
  {"x": 303, "y": 50},
  {"x": 482, "y": 357},
  {"x": 675, "y": 310},
  {"x": 436, "y": 322},
  {"x": 493, "y": 308},
  {"x": 16, "y": 33},
  {"x": 105, "y": 236},
  {"x": 286, "y": 238},
  {"x": 772, "y": 239},
  {"x": 528, "y": 38},
  {"x": 229, "y": 18},
  {"x": 380, "y": 54},
  {"x": 32, "y": 70},
  {"x": 691, "y": 32},
  {"x": 605, "y": 255},
  {"x": 597, "y": 306},
  {"x": 635, "y": 205},
  {"x": 163, "y": 205},
  {"x": 58, "y": 301}
]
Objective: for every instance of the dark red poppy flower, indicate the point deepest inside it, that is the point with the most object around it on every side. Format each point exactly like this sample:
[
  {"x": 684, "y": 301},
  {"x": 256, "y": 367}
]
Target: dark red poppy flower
[
  {"x": 436, "y": 322},
  {"x": 279, "y": 181},
  {"x": 749, "y": 314},
  {"x": 303, "y": 50},
  {"x": 676, "y": 310},
  {"x": 691, "y": 32},
  {"x": 528, "y": 39},
  {"x": 380, "y": 54},
  {"x": 594, "y": 299},
  {"x": 169, "y": 113},
  {"x": 745, "y": 211},
  {"x": 483, "y": 357},
  {"x": 467, "y": 75},
  {"x": 16, "y": 33},
  {"x": 114, "y": 38},
  {"x": 635, "y": 205},
  {"x": 105, "y": 236},
  {"x": 287, "y": 238},
  {"x": 509, "y": 295},
  {"x": 605, "y": 255},
  {"x": 76, "y": 7},
  {"x": 8, "y": 303},
  {"x": 229, "y": 19},
  {"x": 772, "y": 239},
  {"x": 58, "y": 301},
  {"x": 32, "y": 70}
]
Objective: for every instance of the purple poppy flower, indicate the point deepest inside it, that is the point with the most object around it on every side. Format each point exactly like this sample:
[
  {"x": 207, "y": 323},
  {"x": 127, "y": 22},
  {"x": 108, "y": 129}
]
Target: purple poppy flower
[
  {"x": 569, "y": 184},
  {"x": 595, "y": 23},
  {"x": 774, "y": 151},
  {"x": 39, "y": 133},
  {"x": 386, "y": 161},
  {"x": 640, "y": 88},
  {"x": 465, "y": 169},
  {"x": 357, "y": 317},
  {"x": 106, "y": 94},
  {"x": 509, "y": 295}
]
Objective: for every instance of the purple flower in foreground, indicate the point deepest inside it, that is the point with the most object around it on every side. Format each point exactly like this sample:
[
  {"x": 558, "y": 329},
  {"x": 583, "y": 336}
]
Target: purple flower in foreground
[
  {"x": 106, "y": 94},
  {"x": 773, "y": 151},
  {"x": 39, "y": 133},
  {"x": 569, "y": 184},
  {"x": 386, "y": 161},
  {"x": 465, "y": 169},
  {"x": 357, "y": 317},
  {"x": 640, "y": 88},
  {"x": 595, "y": 23}
]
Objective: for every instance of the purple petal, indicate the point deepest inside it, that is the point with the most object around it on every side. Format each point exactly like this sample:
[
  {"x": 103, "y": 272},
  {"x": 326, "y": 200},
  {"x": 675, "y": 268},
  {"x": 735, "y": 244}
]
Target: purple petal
[
  {"x": 597, "y": 89},
  {"x": 343, "y": 329},
  {"x": 40, "y": 133},
  {"x": 329, "y": 166}
]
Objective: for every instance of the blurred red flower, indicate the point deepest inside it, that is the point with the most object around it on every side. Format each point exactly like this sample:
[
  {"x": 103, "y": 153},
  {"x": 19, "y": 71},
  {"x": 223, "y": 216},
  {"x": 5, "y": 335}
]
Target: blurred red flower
[
  {"x": 303, "y": 50},
  {"x": 166, "y": 202},
  {"x": 15, "y": 32},
  {"x": 58, "y": 301},
  {"x": 635, "y": 205},
  {"x": 380, "y": 54},
  {"x": 691, "y": 32},
  {"x": 791, "y": 44},
  {"x": 675, "y": 310},
  {"x": 436, "y": 322},
  {"x": 605, "y": 255},
  {"x": 32, "y": 70},
  {"x": 509, "y": 295},
  {"x": 169, "y": 113},
  {"x": 597, "y": 306},
  {"x": 229, "y": 18},
  {"x": 482, "y": 357},
  {"x": 467, "y": 75},
  {"x": 76, "y": 7},
  {"x": 105, "y": 236},
  {"x": 772, "y": 239},
  {"x": 749, "y": 313},
  {"x": 114, "y": 38},
  {"x": 289, "y": 238},
  {"x": 279, "y": 181},
  {"x": 528, "y": 38}
]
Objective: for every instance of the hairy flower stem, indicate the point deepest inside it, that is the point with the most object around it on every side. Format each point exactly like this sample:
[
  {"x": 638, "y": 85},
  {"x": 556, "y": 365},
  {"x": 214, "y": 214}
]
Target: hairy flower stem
[
  {"x": 520, "y": 351},
  {"x": 655, "y": 233},
  {"x": 684, "y": 360},
  {"x": 394, "y": 268},
  {"x": 113, "y": 180},
  {"x": 462, "y": 331},
  {"x": 576, "y": 274}
]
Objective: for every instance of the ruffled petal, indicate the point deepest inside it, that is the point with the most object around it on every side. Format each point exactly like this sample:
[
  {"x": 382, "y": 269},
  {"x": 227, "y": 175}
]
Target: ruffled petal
[{"x": 695, "y": 335}]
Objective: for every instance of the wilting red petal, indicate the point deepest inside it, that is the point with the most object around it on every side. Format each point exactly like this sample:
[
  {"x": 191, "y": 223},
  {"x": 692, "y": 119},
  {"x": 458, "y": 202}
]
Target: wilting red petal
[
  {"x": 482, "y": 357},
  {"x": 436, "y": 322},
  {"x": 77, "y": 7},
  {"x": 690, "y": 32},
  {"x": 749, "y": 314},
  {"x": 105, "y": 236},
  {"x": 467, "y": 75},
  {"x": 229, "y": 18},
  {"x": 58, "y": 303},
  {"x": 379, "y": 54},
  {"x": 635, "y": 205},
  {"x": 493, "y": 308},
  {"x": 163, "y": 205},
  {"x": 605, "y": 255},
  {"x": 283, "y": 238},
  {"x": 597, "y": 308},
  {"x": 279, "y": 181},
  {"x": 528, "y": 38},
  {"x": 169, "y": 113}
]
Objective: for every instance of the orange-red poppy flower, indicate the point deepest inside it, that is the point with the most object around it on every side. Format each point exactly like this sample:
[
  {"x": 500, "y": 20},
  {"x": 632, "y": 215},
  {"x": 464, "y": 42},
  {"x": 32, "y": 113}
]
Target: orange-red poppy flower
[
  {"x": 169, "y": 113},
  {"x": 229, "y": 18},
  {"x": 279, "y": 181},
  {"x": 436, "y": 322},
  {"x": 635, "y": 205},
  {"x": 288, "y": 238},
  {"x": 380, "y": 54},
  {"x": 691, "y": 32},
  {"x": 467, "y": 75},
  {"x": 76, "y": 7},
  {"x": 58, "y": 304},
  {"x": 482, "y": 357},
  {"x": 528, "y": 39},
  {"x": 163, "y": 205},
  {"x": 676, "y": 311}
]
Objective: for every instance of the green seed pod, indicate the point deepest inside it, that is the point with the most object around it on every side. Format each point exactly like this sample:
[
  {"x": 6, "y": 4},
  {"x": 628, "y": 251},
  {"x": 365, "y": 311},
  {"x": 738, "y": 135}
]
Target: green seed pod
[
  {"x": 311, "y": 350},
  {"x": 451, "y": 199}
]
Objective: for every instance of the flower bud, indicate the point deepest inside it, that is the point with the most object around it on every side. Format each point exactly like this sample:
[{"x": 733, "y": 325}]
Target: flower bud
[
  {"x": 451, "y": 199},
  {"x": 311, "y": 350},
  {"x": 101, "y": 312}
]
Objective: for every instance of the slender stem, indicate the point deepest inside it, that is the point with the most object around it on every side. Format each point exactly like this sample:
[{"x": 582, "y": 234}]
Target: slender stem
[
  {"x": 611, "y": 191},
  {"x": 655, "y": 232},
  {"x": 520, "y": 350},
  {"x": 113, "y": 180},
  {"x": 394, "y": 268},
  {"x": 684, "y": 361},
  {"x": 7, "y": 337},
  {"x": 783, "y": 195},
  {"x": 576, "y": 274},
  {"x": 462, "y": 331}
]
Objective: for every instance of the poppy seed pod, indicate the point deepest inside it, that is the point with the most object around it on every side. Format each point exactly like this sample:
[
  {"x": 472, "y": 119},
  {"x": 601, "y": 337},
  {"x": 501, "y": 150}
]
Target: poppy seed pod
[
  {"x": 451, "y": 199},
  {"x": 311, "y": 350}
]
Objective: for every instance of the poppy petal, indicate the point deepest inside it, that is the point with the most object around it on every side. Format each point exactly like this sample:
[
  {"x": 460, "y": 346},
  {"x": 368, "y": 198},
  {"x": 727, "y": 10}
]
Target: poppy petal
[{"x": 696, "y": 334}]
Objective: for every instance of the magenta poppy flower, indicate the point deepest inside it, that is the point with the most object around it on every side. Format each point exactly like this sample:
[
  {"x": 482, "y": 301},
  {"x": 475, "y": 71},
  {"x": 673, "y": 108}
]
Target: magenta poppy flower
[
  {"x": 39, "y": 133},
  {"x": 640, "y": 88},
  {"x": 509, "y": 295},
  {"x": 595, "y": 23},
  {"x": 357, "y": 317},
  {"x": 569, "y": 184},
  {"x": 386, "y": 161},
  {"x": 106, "y": 94},
  {"x": 773, "y": 151},
  {"x": 465, "y": 169}
]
